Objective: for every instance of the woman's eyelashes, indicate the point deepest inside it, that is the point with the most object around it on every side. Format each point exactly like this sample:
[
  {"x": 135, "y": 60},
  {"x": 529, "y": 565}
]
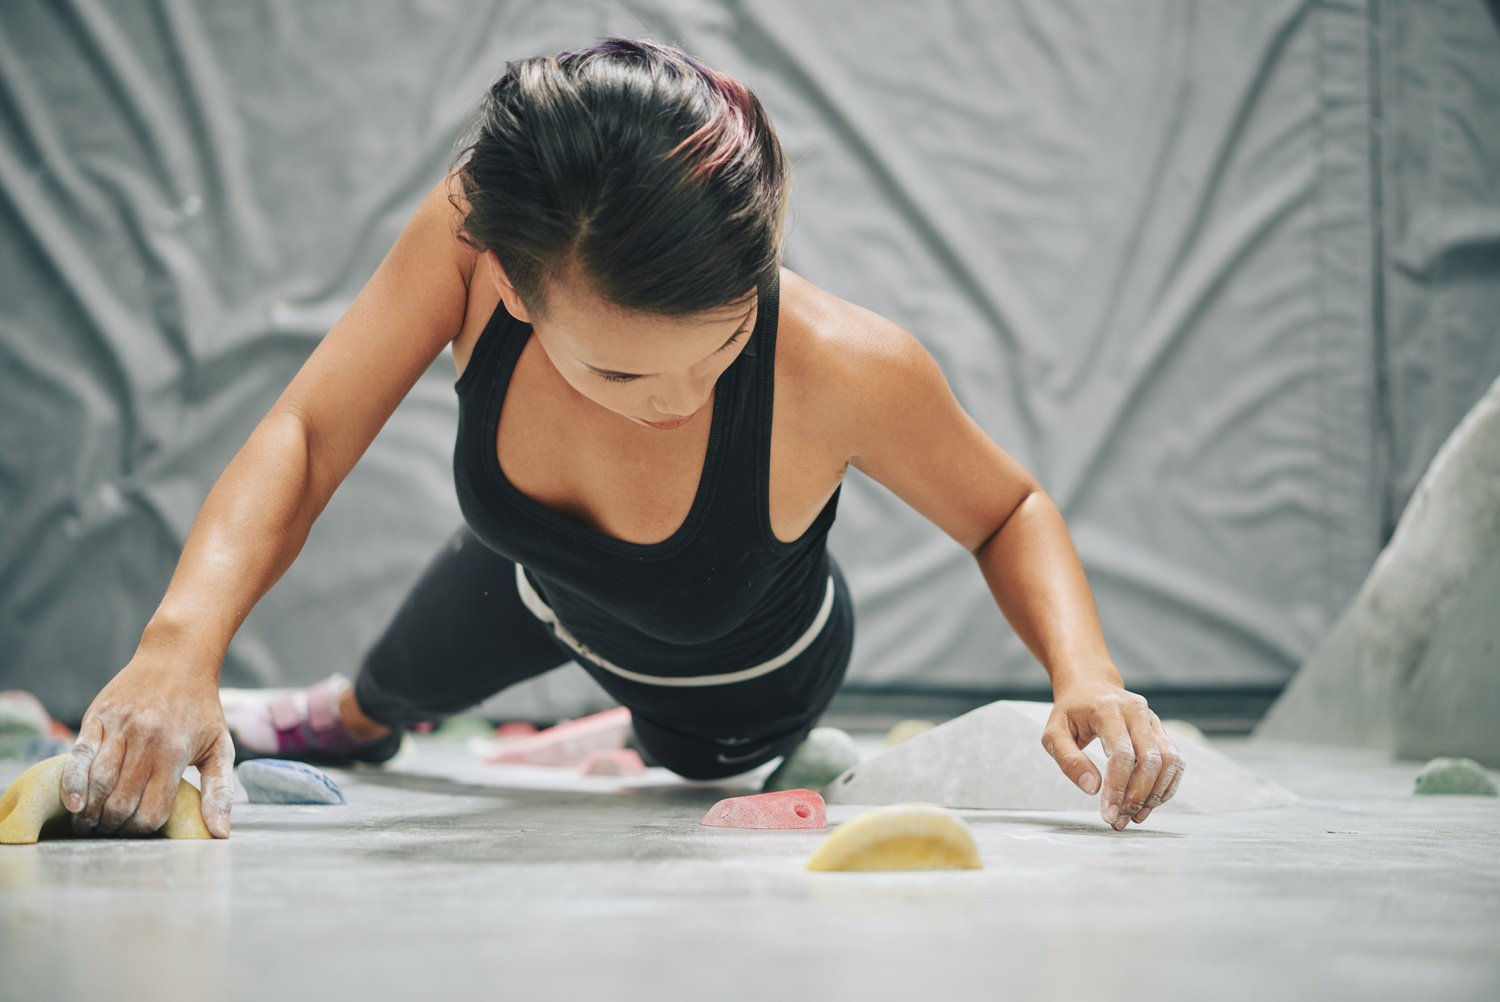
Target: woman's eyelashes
[{"x": 621, "y": 377}]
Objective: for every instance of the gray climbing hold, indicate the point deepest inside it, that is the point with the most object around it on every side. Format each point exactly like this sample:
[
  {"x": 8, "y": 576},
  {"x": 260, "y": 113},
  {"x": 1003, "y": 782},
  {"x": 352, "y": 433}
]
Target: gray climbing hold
[
  {"x": 282, "y": 781},
  {"x": 822, "y": 756},
  {"x": 1454, "y": 775}
]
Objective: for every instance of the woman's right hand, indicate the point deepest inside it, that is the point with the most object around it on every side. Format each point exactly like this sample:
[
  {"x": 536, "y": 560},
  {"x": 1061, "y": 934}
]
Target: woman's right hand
[{"x": 152, "y": 721}]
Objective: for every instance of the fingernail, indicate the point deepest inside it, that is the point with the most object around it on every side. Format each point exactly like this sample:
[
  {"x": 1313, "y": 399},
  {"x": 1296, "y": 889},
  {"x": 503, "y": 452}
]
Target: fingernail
[
  {"x": 1145, "y": 813},
  {"x": 1091, "y": 784}
]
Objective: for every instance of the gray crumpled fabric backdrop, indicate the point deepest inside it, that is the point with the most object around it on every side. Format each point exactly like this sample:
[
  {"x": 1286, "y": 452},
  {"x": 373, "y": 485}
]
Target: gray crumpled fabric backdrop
[{"x": 1223, "y": 275}]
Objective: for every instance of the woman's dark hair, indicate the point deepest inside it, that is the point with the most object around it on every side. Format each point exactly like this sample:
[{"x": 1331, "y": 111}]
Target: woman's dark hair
[{"x": 659, "y": 179}]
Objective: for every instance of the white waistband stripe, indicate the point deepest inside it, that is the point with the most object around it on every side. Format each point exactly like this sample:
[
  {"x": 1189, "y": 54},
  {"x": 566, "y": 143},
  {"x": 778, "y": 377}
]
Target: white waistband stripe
[{"x": 541, "y": 610}]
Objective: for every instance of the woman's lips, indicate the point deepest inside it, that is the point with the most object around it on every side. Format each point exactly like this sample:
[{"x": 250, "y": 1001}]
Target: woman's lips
[
  {"x": 676, "y": 422},
  {"x": 668, "y": 425}
]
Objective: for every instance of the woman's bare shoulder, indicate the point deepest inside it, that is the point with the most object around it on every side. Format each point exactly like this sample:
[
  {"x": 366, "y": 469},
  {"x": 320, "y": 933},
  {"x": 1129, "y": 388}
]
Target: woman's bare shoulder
[
  {"x": 840, "y": 365},
  {"x": 830, "y": 341}
]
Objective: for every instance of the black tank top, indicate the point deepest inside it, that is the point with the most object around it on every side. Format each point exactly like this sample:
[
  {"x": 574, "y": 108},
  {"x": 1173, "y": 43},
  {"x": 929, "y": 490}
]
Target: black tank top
[{"x": 721, "y": 593}]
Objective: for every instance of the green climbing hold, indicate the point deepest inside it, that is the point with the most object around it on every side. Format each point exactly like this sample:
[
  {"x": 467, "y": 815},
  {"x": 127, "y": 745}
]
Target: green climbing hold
[
  {"x": 464, "y": 726},
  {"x": 824, "y": 755},
  {"x": 1455, "y": 775}
]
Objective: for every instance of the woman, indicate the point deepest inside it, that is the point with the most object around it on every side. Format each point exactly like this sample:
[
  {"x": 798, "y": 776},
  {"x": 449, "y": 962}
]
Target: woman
[{"x": 654, "y": 421}]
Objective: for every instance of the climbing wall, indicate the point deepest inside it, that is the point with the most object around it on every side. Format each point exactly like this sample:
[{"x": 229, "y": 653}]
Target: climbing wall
[{"x": 1222, "y": 275}]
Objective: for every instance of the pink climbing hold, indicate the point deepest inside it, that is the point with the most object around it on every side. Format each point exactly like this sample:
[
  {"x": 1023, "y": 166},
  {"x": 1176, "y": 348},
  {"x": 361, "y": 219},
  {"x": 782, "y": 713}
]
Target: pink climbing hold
[
  {"x": 615, "y": 762},
  {"x": 782, "y": 809},
  {"x": 514, "y": 729},
  {"x": 568, "y": 742}
]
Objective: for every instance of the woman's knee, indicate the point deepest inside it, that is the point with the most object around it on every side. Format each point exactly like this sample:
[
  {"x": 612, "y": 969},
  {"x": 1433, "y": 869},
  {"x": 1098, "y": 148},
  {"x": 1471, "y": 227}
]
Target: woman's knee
[{"x": 704, "y": 758}]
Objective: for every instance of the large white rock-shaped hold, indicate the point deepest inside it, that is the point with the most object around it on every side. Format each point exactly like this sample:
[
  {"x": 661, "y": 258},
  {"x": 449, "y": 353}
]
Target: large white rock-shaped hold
[
  {"x": 1450, "y": 705},
  {"x": 1404, "y": 668},
  {"x": 992, "y": 757}
]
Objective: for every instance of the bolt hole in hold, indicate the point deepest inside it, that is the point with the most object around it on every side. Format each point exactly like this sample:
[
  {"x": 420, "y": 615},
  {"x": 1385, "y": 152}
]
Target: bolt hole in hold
[
  {"x": 802, "y": 811},
  {"x": 848, "y": 777}
]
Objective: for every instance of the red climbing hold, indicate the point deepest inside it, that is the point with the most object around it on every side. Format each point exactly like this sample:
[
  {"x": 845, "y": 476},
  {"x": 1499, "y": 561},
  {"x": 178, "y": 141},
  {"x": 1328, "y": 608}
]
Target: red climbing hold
[{"x": 782, "y": 809}]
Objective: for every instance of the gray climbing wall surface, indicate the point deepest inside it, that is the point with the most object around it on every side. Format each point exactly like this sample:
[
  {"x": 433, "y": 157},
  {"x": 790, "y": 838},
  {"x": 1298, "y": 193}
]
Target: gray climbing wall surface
[{"x": 1218, "y": 274}]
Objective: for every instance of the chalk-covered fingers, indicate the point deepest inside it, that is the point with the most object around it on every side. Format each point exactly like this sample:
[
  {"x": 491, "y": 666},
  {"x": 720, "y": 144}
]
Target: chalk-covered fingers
[
  {"x": 1171, "y": 772},
  {"x": 90, "y": 774},
  {"x": 1148, "y": 758},
  {"x": 1057, "y": 738},
  {"x": 1129, "y": 729},
  {"x": 158, "y": 793},
  {"x": 1115, "y": 736},
  {"x": 75, "y": 776},
  {"x": 216, "y": 771},
  {"x": 121, "y": 802}
]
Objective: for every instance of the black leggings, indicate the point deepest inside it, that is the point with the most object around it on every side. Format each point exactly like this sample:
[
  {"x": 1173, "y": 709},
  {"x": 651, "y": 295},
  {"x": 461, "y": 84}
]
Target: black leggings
[{"x": 462, "y": 634}]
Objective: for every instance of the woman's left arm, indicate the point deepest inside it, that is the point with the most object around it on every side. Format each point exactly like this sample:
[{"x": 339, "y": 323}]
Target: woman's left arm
[{"x": 905, "y": 429}]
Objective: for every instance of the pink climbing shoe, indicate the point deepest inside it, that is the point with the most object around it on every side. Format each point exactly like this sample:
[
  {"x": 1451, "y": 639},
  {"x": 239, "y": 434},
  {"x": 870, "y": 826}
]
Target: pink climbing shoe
[{"x": 301, "y": 724}]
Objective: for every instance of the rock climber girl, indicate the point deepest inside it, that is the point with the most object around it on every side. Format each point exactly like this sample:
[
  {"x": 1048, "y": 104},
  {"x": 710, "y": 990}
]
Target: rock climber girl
[{"x": 654, "y": 419}]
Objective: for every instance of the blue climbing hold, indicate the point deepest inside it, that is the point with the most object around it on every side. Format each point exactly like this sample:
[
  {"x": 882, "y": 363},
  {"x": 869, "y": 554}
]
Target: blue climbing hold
[{"x": 282, "y": 781}]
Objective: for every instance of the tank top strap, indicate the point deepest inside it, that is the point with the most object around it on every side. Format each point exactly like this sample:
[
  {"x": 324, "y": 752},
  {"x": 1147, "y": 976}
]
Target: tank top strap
[
  {"x": 742, "y": 495},
  {"x": 485, "y": 358}
]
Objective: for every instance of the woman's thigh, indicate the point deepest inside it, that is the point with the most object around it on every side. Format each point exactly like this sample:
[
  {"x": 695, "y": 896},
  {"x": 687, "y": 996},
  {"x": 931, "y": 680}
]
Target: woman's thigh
[{"x": 460, "y": 635}]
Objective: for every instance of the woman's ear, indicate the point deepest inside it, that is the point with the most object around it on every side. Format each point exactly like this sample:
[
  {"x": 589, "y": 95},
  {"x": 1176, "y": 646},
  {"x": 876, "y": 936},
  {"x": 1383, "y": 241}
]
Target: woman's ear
[{"x": 513, "y": 304}]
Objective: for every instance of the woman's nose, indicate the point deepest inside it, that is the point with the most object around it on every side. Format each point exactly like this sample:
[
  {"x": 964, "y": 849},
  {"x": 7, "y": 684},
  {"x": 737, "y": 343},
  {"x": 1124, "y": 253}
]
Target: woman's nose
[{"x": 680, "y": 397}]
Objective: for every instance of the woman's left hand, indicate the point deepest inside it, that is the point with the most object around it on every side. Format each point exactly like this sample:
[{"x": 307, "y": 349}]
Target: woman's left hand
[{"x": 1144, "y": 765}]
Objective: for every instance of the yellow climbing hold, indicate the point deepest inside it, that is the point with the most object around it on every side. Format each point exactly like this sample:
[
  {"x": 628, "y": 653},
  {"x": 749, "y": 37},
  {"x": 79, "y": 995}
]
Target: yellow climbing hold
[
  {"x": 905, "y": 730},
  {"x": 899, "y": 837},
  {"x": 1181, "y": 728},
  {"x": 32, "y": 807}
]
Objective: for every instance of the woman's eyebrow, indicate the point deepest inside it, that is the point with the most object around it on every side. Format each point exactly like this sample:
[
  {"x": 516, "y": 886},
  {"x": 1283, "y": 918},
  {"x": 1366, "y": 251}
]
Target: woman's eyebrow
[{"x": 641, "y": 375}]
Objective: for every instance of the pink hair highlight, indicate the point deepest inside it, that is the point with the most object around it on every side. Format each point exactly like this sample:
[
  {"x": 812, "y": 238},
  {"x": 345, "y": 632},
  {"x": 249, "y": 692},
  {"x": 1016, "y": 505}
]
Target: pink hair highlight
[{"x": 728, "y": 132}]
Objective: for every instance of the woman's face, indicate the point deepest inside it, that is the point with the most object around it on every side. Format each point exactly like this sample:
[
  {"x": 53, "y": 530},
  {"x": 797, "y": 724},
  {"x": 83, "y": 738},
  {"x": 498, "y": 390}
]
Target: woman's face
[{"x": 654, "y": 371}]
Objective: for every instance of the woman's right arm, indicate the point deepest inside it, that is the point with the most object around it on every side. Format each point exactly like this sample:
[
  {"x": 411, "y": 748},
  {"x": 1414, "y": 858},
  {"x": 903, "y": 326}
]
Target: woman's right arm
[{"x": 161, "y": 712}]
